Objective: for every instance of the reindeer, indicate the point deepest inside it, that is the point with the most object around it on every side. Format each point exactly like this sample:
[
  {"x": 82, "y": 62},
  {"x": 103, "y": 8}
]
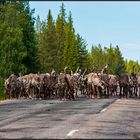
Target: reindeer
[
  {"x": 65, "y": 86},
  {"x": 82, "y": 82},
  {"x": 12, "y": 87},
  {"x": 113, "y": 84},
  {"x": 95, "y": 85},
  {"x": 124, "y": 85},
  {"x": 106, "y": 78},
  {"x": 138, "y": 81},
  {"x": 133, "y": 79}
]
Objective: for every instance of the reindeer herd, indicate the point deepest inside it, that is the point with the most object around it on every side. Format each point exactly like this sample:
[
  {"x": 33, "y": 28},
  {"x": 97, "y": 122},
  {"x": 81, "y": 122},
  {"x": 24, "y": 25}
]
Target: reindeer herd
[{"x": 65, "y": 86}]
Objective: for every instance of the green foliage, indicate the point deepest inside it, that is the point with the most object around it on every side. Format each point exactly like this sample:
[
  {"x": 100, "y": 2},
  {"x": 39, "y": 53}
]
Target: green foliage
[
  {"x": 118, "y": 61},
  {"x": 2, "y": 94},
  {"x": 60, "y": 38},
  {"x": 26, "y": 21},
  {"x": 18, "y": 50},
  {"x": 12, "y": 49},
  {"x": 115, "y": 60},
  {"x": 70, "y": 49},
  {"x": 97, "y": 54},
  {"x": 132, "y": 67},
  {"x": 73, "y": 58},
  {"x": 83, "y": 54},
  {"x": 50, "y": 44},
  {"x": 60, "y": 46},
  {"x": 111, "y": 56},
  {"x": 47, "y": 46}
]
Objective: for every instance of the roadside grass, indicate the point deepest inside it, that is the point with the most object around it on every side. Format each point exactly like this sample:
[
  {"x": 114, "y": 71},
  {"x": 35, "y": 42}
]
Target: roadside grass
[{"x": 2, "y": 94}]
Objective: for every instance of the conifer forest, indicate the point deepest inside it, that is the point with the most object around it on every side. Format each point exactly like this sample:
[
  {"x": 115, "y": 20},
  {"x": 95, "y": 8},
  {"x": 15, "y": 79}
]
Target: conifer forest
[{"x": 31, "y": 45}]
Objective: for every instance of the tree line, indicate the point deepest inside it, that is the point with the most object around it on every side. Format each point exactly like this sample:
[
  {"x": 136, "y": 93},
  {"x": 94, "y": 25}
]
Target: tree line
[
  {"x": 58, "y": 43},
  {"x": 29, "y": 45}
]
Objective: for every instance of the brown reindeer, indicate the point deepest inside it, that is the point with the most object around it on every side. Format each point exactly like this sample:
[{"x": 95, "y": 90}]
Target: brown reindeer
[
  {"x": 113, "y": 84},
  {"x": 124, "y": 85},
  {"x": 133, "y": 79},
  {"x": 95, "y": 85}
]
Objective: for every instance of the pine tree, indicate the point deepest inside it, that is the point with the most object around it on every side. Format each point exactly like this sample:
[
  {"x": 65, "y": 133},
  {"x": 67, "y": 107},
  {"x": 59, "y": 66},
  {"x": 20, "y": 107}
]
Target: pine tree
[
  {"x": 68, "y": 41},
  {"x": 74, "y": 56},
  {"x": 12, "y": 49},
  {"x": 132, "y": 67},
  {"x": 71, "y": 49},
  {"x": 114, "y": 59},
  {"x": 60, "y": 37},
  {"x": 119, "y": 61},
  {"x": 109, "y": 59},
  {"x": 47, "y": 46},
  {"x": 51, "y": 43},
  {"x": 26, "y": 21},
  {"x": 109, "y": 55},
  {"x": 82, "y": 51},
  {"x": 97, "y": 56},
  {"x": 66, "y": 53},
  {"x": 42, "y": 47}
]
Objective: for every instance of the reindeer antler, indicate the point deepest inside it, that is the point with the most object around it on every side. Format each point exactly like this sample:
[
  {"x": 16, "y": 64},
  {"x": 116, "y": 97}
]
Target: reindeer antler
[
  {"x": 71, "y": 72},
  {"x": 77, "y": 69},
  {"x": 65, "y": 69},
  {"x": 105, "y": 67},
  {"x": 53, "y": 71},
  {"x": 84, "y": 73},
  {"x": 80, "y": 71}
]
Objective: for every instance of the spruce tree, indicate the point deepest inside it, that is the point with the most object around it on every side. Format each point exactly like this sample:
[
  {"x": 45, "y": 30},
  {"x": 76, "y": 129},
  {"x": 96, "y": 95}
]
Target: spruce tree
[
  {"x": 12, "y": 49},
  {"x": 97, "y": 56},
  {"x": 109, "y": 59},
  {"x": 26, "y": 21},
  {"x": 71, "y": 50},
  {"x": 119, "y": 61},
  {"x": 47, "y": 46},
  {"x": 82, "y": 52},
  {"x": 132, "y": 67},
  {"x": 60, "y": 37}
]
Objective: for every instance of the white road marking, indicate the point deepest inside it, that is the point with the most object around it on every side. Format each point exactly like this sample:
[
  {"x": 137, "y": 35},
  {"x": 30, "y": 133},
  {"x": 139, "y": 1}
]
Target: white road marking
[
  {"x": 118, "y": 100},
  {"x": 106, "y": 108},
  {"x": 72, "y": 132},
  {"x": 103, "y": 110}
]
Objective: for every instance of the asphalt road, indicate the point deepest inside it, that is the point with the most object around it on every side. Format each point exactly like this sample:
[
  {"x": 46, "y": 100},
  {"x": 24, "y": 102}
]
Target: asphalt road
[{"x": 81, "y": 118}]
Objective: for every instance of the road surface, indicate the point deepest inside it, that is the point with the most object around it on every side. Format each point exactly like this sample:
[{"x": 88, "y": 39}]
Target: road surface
[{"x": 81, "y": 118}]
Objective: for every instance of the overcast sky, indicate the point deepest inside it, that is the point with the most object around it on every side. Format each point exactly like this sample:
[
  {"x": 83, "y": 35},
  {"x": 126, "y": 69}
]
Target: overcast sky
[{"x": 101, "y": 22}]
